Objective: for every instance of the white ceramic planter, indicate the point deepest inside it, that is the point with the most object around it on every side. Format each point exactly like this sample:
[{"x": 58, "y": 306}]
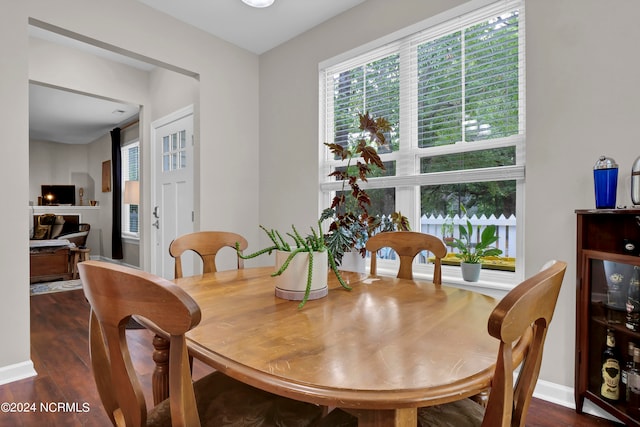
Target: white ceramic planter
[
  {"x": 353, "y": 261},
  {"x": 292, "y": 283},
  {"x": 470, "y": 272}
]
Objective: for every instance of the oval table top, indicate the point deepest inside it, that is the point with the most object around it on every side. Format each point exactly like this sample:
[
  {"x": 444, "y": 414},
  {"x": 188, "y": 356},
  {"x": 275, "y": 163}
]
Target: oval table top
[{"x": 386, "y": 344}]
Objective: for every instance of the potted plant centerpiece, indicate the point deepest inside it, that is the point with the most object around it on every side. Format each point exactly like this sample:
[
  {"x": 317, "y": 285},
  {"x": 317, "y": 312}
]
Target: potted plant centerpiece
[
  {"x": 471, "y": 253},
  {"x": 350, "y": 224},
  {"x": 302, "y": 268}
]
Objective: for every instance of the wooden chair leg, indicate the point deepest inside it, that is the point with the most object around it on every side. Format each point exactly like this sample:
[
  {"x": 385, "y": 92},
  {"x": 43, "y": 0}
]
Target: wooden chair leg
[
  {"x": 75, "y": 256},
  {"x": 160, "y": 378}
]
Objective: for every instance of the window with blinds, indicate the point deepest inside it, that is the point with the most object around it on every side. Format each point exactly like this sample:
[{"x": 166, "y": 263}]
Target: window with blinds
[
  {"x": 130, "y": 172},
  {"x": 454, "y": 92}
]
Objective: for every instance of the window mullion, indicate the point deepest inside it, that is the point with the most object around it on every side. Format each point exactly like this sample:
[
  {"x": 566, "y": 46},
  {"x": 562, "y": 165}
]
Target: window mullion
[{"x": 504, "y": 173}]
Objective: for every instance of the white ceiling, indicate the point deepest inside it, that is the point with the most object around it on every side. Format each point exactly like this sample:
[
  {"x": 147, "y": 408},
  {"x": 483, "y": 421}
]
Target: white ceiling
[
  {"x": 62, "y": 116},
  {"x": 255, "y": 29}
]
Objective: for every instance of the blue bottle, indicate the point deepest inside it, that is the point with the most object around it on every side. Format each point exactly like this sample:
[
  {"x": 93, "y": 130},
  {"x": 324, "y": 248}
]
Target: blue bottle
[{"x": 605, "y": 180}]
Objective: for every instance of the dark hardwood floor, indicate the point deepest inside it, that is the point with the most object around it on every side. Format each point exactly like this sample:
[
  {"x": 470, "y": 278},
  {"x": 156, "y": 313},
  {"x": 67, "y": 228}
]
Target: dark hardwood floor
[{"x": 63, "y": 392}]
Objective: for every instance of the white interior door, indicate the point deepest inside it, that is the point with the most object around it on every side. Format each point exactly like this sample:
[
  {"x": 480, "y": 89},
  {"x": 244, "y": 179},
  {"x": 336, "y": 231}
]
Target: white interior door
[{"x": 172, "y": 208}]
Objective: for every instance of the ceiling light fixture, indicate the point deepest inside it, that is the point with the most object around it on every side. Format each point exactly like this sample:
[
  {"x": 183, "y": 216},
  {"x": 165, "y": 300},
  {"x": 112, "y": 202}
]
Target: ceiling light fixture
[{"x": 258, "y": 3}]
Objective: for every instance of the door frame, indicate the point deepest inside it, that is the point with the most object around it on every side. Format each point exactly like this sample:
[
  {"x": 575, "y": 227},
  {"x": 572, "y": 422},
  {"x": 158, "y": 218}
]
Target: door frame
[{"x": 155, "y": 125}]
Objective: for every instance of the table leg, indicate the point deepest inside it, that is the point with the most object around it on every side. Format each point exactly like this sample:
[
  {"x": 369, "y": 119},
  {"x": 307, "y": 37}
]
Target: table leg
[{"x": 160, "y": 378}]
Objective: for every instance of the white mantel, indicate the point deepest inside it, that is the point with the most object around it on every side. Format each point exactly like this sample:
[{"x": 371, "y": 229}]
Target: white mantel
[{"x": 63, "y": 209}]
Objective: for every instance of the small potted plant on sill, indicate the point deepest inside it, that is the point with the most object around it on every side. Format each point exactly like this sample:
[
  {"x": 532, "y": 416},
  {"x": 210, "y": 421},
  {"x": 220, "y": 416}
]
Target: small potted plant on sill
[
  {"x": 350, "y": 223},
  {"x": 309, "y": 256},
  {"x": 447, "y": 230},
  {"x": 471, "y": 254}
]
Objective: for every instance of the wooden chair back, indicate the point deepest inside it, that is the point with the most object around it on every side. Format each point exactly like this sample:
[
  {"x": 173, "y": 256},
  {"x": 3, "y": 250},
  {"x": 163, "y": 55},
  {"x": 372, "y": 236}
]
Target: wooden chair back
[
  {"x": 525, "y": 311},
  {"x": 408, "y": 244},
  {"x": 206, "y": 244},
  {"x": 115, "y": 293}
]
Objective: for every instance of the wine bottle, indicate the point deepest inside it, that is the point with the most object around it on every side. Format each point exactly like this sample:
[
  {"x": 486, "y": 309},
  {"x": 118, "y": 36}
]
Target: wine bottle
[
  {"x": 633, "y": 385},
  {"x": 610, "y": 388},
  {"x": 628, "y": 367},
  {"x": 633, "y": 302}
]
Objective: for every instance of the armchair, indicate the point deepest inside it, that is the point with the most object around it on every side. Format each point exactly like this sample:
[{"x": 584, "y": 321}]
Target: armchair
[
  {"x": 78, "y": 238},
  {"x": 51, "y": 258},
  {"x": 47, "y": 226}
]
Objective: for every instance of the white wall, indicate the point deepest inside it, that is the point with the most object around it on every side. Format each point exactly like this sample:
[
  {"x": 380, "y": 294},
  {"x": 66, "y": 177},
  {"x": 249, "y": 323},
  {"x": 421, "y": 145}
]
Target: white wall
[
  {"x": 582, "y": 88},
  {"x": 582, "y": 97},
  {"x": 14, "y": 260},
  {"x": 100, "y": 151},
  {"x": 57, "y": 163},
  {"x": 53, "y": 163},
  {"x": 228, "y": 78}
]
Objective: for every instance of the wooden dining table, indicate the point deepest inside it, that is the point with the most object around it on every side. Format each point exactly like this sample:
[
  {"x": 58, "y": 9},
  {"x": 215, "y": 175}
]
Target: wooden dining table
[{"x": 380, "y": 350}]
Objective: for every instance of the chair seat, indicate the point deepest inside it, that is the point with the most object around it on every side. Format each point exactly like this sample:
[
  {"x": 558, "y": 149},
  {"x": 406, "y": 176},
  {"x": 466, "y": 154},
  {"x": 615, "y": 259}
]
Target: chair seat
[
  {"x": 461, "y": 413},
  {"x": 223, "y": 401}
]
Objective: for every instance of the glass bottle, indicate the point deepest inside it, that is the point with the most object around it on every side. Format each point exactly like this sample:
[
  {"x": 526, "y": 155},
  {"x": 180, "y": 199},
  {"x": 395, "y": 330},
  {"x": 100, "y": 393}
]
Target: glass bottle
[
  {"x": 633, "y": 385},
  {"x": 628, "y": 367},
  {"x": 633, "y": 302},
  {"x": 610, "y": 388}
]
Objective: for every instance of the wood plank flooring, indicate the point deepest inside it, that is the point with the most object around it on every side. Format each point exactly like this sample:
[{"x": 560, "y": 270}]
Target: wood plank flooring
[{"x": 64, "y": 393}]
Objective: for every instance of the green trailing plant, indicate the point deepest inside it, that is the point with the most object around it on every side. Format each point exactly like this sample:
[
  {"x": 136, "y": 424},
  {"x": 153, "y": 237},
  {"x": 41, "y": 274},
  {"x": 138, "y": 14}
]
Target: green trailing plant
[
  {"x": 447, "y": 228},
  {"x": 310, "y": 244},
  {"x": 472, "y": 252},
  {"x": 350, "y": 222}
]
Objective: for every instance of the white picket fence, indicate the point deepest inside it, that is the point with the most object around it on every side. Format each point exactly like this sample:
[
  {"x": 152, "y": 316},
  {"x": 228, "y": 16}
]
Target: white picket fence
[{"x": 506, "y": 229}]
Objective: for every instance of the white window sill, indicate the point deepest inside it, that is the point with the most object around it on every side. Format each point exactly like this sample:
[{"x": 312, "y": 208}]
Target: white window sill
[
  {"x": 131, "y": 240},
  {"x": 491, "y": 283}
]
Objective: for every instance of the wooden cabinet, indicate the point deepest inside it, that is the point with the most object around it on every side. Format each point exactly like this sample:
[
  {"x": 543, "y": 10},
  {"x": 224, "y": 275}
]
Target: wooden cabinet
[
  {"x": 49, "y": 264},
  {"x": 608, "y": 248}
]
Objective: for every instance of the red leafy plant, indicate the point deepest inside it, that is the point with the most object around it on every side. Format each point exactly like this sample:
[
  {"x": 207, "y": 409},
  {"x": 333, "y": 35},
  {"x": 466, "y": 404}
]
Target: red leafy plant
[{"x": 350, "y": 222}]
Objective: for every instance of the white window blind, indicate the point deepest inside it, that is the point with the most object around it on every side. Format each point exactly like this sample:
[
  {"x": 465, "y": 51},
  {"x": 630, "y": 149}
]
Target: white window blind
[
  {"x": 454, "y": 93},
  {"x": 130, "y": 172}
]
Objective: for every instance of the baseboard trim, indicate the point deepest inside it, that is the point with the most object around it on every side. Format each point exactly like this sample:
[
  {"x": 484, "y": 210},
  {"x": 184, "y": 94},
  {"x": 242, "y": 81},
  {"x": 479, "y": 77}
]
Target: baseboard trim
[
  {"x": 16, "y": 372},
  {"x": 563, "y": 396}
]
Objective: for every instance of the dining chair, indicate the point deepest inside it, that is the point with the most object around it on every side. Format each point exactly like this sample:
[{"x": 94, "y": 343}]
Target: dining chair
[
  {"x": 523, "y": 315},
  {"x": 520, "y": 321},
  {"x": 408, "y": 244},
  {"x": 116, "y": 293},
  {"x": 206, "y": 244}
]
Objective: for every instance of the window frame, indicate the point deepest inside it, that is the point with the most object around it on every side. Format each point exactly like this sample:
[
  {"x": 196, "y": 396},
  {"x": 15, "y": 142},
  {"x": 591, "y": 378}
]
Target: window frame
[{"x": 409, "y": 178}]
